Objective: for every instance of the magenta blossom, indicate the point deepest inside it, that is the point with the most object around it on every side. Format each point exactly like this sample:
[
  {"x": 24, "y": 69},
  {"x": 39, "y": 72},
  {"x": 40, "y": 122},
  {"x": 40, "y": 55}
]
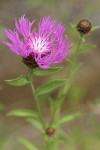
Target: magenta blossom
[{"x": 46, "y": 44}]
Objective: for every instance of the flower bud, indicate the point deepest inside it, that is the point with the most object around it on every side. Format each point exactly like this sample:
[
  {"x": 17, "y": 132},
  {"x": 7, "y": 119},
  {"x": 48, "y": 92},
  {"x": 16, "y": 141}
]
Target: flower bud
[
  {"x": 30, "y": 61},
  {"x": 84, "y": 26},
  {"x": 50, "y": 131}
]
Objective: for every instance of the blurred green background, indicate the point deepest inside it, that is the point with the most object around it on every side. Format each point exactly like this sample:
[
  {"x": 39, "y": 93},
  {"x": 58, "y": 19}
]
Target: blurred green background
[{"x": 83, "y": 96}]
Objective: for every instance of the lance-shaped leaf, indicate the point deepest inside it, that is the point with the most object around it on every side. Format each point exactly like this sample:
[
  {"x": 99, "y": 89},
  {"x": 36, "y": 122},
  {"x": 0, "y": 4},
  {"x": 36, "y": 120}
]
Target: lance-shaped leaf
[
  {"x": 95, "y": 28},
  {"x": 27, "y": 144},
  {"x": 23, "y": 113},
  {"x": 43, "y": 72},
  {"x": 35, "y": 123},
  {"x": 46, "y": 88},
  {"x": 73, "y": 29},
  {"x": 74, "y": 68},
  {"x": 87, "y": 46},
  {"x": 20, "y": 81},
  {"x": 52, "y": 104},
  {"x": 70, "y": 62},
  {"x": 65, "y": 119},
  {"x": 64, "y": 137}
]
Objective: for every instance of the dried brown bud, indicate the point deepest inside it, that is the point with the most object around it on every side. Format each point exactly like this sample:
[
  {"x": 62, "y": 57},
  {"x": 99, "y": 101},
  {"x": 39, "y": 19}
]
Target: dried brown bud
[
  {"x": 50, "y": 131},
  {"x": 84, "y": 26},
  {"x": 29, "y": 61}
]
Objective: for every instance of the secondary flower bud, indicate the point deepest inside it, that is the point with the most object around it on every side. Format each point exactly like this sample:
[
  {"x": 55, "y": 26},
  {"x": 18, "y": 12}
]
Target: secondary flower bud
[
  {"x": 50, "y": 131},
  {"x": 84, "y": 26},
  {"x": 29, "y": 61}
]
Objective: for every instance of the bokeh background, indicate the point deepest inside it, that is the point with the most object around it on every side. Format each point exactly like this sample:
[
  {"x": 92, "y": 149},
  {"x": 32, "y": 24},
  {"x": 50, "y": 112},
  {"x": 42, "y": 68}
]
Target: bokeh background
[{"x": 83, "y": 96}]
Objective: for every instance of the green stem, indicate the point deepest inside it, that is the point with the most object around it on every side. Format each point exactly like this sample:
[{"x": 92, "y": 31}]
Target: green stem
[
  {"x": 51, "y": 146},
  {"x": 62, "y": 94},
  {"x": 35, "y": 98},
  {"x": 75, "y": 59},
  {"x": 78, "y": 46}
]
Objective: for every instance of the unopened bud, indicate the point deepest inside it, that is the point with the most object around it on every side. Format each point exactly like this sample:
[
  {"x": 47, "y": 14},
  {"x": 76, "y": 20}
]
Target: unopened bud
[
  {"x": 50, "y": 131},
  {"x": 84, "y": 26}
]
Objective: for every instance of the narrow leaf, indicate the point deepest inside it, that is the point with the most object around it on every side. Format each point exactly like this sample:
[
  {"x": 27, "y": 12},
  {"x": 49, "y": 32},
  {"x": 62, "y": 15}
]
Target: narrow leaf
[
  {"x": 35, "y": 123},
  {"x": 23, "y": 113},
  {"x": 49, "y": 86},
  {"x": 27, "y": 144},
  {"x": 52, "y": 105},
  {"x": 72, "y": 28},
  {"x": 65, "y": 137},
  {"x": 87, "y": 46},
  {"x": 95, "y": 28},
  {"x": 74, "y": 69},
  {"x": 20, "y": 81},
  {"x": 65, "y": 119},
  {"x": 72, "y": 25},
  {"x": 42, "y": 72},
  {"x": 70, "y": 62}
]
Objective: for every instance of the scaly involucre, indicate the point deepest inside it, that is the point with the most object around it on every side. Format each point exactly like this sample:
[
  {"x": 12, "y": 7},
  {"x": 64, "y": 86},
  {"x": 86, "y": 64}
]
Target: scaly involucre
[{"x": 47, "y": 44}]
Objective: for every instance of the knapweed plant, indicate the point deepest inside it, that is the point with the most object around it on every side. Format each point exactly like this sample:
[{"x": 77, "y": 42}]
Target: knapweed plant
[{"x": 41, "y": 49}]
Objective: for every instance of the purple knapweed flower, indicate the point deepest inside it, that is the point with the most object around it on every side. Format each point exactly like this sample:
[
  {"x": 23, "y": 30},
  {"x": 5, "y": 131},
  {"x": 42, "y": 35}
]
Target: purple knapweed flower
[{"x": 45, "y": 45}]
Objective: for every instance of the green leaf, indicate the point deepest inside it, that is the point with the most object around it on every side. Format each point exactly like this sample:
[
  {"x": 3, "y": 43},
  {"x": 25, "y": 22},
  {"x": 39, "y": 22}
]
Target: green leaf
[
  {"x": 72, "y": 25},
  {"x": 64, "y": 137},
  {"x": 95, "y": 28},
  {"x": 52, "y": 105},
  {"x": 65, "y": 119},
  {"x": 46, "y": 88},
  {"x": 27, "y": 144},
  {"x": 23, "y": 113},
  {"x": 70, "y": 62},
  {"x": 35, "y": 123},
  {"x": 72, "y": 29},
  {"x": 43, "y": 72},
  {"x": 20, "y": 81},
  {"x": 87, "y": 46},
  {"x": 74, "y": 69}
]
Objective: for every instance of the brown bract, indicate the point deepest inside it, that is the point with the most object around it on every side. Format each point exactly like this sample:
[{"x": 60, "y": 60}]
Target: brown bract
[
  {"x": 30, "y": 61},
  {"x": 84, "y": 26},
  {"x": 50, "y": 131}
]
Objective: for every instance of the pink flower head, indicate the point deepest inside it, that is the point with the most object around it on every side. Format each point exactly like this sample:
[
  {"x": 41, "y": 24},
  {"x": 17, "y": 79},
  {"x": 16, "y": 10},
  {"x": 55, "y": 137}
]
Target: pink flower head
[{"x": 47, "y": 45}]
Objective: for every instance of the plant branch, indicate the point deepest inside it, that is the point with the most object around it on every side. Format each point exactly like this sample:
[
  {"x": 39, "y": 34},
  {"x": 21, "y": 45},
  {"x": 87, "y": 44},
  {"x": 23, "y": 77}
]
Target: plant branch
[{"x": 35, "y": 98}]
